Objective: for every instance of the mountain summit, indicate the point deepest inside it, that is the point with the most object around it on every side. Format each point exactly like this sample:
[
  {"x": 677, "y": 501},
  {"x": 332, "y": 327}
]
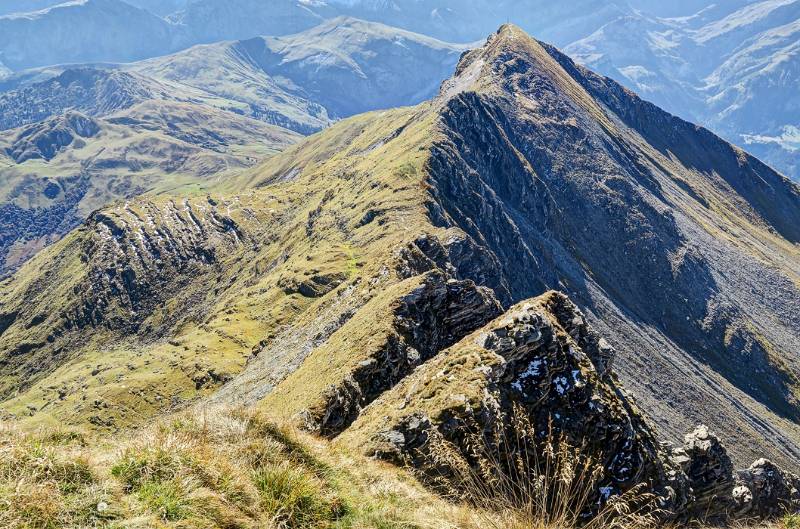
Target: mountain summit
[
  {"x": 317, "y": 283},
  {"x": 681, "y": 247}
]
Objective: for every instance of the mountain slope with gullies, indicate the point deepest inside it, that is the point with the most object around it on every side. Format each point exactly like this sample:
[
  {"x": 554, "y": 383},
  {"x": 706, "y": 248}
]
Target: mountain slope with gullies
[
  {"x": 371, "y": 257},
  {"x": 302, "y": 82}
]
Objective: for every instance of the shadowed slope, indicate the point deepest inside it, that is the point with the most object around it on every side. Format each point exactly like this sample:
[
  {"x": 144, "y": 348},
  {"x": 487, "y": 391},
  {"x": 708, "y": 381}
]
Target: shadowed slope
[{"x": 681, "y": 245}]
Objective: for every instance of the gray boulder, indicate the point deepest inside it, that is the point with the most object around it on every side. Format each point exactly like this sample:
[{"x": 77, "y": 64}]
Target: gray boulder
[{"x": 765, "y": 491}]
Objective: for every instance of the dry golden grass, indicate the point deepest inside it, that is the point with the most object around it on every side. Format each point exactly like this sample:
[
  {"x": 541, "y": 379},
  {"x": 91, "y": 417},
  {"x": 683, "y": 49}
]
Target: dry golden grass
[
  {"x": 217, "y": 468},
  {"x": 232, "y": 469},
  {"x": 516, "y": 482}
]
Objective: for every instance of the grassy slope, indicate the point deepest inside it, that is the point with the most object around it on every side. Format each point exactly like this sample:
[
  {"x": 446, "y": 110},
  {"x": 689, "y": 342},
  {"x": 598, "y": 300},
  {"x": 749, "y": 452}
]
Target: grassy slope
[
  {"x": 155, "y": 147},
  {"x": 215, "y": 468},
  {"x": 302, "y": 228}
]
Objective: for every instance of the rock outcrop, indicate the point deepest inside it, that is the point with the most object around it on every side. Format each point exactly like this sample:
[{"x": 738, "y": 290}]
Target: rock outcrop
[
  {"x": 765, "y": 491},
  {"x": 719, "y": 492},
  {"x": 542, "y": 358},
  {"x": 710, "y": 472},
  {"x": 391, "y": 335}
]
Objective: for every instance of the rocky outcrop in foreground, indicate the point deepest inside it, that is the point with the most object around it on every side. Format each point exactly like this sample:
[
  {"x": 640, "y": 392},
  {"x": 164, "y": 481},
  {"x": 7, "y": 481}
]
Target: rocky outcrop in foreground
[
  {"x": 761, "y": 491},
  {"x": 542, "y": 359}
]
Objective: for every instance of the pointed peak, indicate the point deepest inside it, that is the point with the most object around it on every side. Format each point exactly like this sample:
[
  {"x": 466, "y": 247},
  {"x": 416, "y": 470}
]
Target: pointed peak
[
  {"x": 510, "y": 31},
  {"x": 509, "y": 52},
  {"x": 513, "y": 39},
  {"x": 512, "y": 63}
]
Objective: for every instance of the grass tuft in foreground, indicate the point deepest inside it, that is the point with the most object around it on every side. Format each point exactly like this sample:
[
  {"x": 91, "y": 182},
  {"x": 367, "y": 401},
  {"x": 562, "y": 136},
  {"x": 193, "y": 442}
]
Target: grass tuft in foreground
[{"x": 517, "y": 482}]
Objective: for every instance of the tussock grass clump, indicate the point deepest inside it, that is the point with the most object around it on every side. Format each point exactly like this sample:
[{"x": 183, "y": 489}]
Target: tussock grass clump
[
  {"x": 295, "y": 498},
  {"x": 30, "y": 505},
  {"x": 519, "y": 482},
  {"x": 46, "y": 481},
  {"x": 40, "y": 462},
  {"x": 170, "y": 500},
  {"x": 187, "y": 471},
  {"x": 790, "y": 521}
]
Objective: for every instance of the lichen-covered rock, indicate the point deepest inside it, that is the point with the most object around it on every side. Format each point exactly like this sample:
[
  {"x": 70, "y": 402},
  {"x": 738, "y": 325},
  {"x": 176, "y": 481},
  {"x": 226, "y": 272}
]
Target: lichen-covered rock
[
  {"x": 765, "y": 491},
  {"x": 542, "y": 357},
  {"x": 710, "y": 473}
]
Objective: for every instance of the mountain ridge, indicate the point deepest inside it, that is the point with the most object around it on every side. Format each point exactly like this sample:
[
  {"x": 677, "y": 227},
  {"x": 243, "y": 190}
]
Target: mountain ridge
[{"x": 527, "y": 173}]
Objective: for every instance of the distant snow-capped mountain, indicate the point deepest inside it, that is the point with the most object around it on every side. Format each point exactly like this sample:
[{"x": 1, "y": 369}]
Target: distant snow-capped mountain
[{"x": 734, "y": 67}]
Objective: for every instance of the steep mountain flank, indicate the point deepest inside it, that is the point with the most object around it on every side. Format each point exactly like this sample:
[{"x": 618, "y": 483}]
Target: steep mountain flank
[
  {"x": 360, "y": 260},
  {"x": 303, "y": 81},
  {"x": 720, "y": 64},
  {"x": 681, "y": 247},
  {"x": 472, "y": 20},
  {"x": 210, "y": 20}
]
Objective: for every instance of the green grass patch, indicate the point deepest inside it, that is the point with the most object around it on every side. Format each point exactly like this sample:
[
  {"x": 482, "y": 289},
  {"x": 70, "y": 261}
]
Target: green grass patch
[
  {"x": 295, "y": 498},
  {"x": 168, "y": 499}
]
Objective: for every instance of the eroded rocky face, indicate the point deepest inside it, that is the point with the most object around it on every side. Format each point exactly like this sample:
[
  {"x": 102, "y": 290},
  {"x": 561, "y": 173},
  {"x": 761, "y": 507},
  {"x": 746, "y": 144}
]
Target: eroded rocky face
[
  {"x": 429, "y": 318},
  {"x": 542, "y": 358},
  {"x": 570, "y": 182},
  {"x": 46, "y": 139}
]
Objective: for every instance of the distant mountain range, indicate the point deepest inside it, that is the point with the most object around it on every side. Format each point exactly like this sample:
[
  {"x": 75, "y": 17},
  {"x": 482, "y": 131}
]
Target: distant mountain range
[
  {"x": 731, "y": 66},
  {"x": 74, "y": 138},
  {"x": 735, "y": 67},
  {"x": 158, "y": 7},
  {"x": 84, "y": 31}
]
